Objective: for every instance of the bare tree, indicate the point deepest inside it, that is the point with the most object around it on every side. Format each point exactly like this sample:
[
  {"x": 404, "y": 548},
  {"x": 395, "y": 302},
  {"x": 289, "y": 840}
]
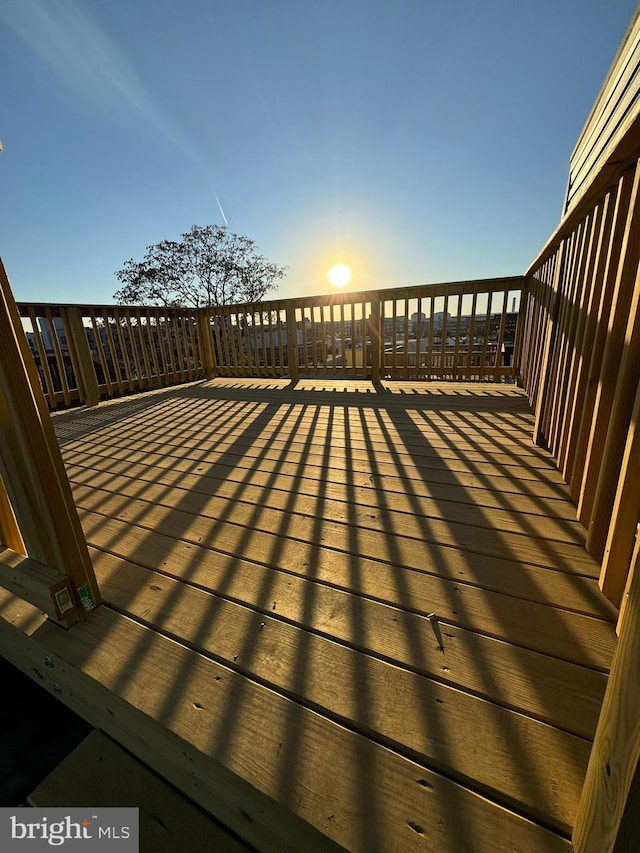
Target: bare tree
[{"x": 209, "y": 266}]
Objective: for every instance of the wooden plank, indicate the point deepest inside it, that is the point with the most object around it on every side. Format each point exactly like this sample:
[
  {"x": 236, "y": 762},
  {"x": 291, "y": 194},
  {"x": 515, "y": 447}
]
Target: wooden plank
[
  {"x": 282, "y": 788},
  {"x": 292, "y": 343},
  {"x": 100, "y": 350},
  {"x": 55, "y": 343},
  {"x": 605, "y": 211},
  {"x": 567, "y": 345},
  {"x": 45, "y": 380},
  {"x": 9, "y": 531},
  {"x": 133, "y": 336},
  {"x": 185, "y": 327},
  {"x": 482, "y": 425},
  {"x": 377, "y": 340},
  {"x": 482, "y": 551},
  {"x": 261, "y": 349},
  {"x": 625, "y": 274},
  {"x": 375, "y": 509},
  {"x": 616, "y": 747},
  {"x": 159, "y": 332},
  {"x": 626, "y": 388},
  {"x": 500, "y": 340},
  {"x": 549, "y": 332},
  {"x": 462, "y": 735},
  {"x": 124, "y": 361},
  {"x": 49, "y": 590},
  {"x": 31, "y": 466},
  {"x": 625, "y": 513},
  {"x": 99, "y": 773},
  {"x": 174, "y": 359},
  {"x": 552, "y": 518},
  {"x": 410, "y": 445},
  {"x": 485, "y": 338},
  {"x": 85, "y": 369},
  {"x": 583, "y": 298},
  {"x": 111, "y": 347},
  {"x": 468, "y": 354},
  {"x": 605, "y": 287},
  {"x": 510, "y": 472},
  {"x": 555, "y": 691},
  {"x": 149, "y": 346},
  {"x": 540, "y": 306}
]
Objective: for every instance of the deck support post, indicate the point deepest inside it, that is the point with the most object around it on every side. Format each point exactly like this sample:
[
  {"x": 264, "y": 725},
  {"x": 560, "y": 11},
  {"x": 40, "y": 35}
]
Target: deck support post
[
  {"x": 88, "y": 384},
  {"x": 206, "y": 343},
  {"x": 519, "y": 335},
  {"x": 292, "y": 343},
  {"x": 32, "y": 470},
  {"x": 375, "y": 337},
  {"x": 616, "y": 747}
]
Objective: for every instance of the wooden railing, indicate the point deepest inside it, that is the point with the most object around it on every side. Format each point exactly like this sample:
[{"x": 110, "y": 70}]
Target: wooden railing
[
  {"x": 464, "y": 330},
  {"x": 87, "y": 353},
  {"x": 580, "y": 364},
  {"x": 568, "y": 332},
  {"x": 43, "y": 554}
]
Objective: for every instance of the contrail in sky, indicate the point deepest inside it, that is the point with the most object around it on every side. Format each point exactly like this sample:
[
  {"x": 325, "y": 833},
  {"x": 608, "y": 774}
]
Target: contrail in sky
[
  {"x": 65, "y": 36},
  {"x": 220, "y": 208}
]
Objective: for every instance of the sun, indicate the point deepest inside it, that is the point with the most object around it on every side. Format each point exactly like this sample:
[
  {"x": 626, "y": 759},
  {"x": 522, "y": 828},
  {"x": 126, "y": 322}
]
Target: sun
[{"x": 339, "y": 275}]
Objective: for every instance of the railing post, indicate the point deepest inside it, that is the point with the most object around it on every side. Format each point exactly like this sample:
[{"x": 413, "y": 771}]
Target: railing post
[
  {"x": 616, "y": 746},
  {"x": 206, "y": 342},
  {"x": 519, "y": 333},
  {"x": 292, "y": 342},
  {"x": 87, "y": 382},
  {"x": 617, "y": 520},
  {"x": 9, "y": 531},
  {"x": 546, "y": 379},
  {"x": 374, "y": 334},
  {"x": 36, "y": 483}
]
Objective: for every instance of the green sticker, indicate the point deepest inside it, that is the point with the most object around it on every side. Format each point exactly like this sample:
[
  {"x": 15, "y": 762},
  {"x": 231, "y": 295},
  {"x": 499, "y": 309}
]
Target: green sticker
[
  {"x": 63, "y": 600},
  {"x": 86, "y": 598}
]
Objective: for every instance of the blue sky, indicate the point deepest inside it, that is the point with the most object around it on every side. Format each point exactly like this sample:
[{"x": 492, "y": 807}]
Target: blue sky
[{"x": 414, "y": 140}]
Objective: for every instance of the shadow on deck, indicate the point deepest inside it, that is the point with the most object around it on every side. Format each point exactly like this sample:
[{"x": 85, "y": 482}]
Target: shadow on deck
[{"x": 336, "y": 615}]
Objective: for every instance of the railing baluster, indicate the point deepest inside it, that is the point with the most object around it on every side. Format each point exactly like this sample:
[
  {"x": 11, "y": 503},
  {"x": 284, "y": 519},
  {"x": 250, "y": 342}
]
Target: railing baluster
[
  {"x": 311, "y": 336},
  {"x": 100, "y": 352}
]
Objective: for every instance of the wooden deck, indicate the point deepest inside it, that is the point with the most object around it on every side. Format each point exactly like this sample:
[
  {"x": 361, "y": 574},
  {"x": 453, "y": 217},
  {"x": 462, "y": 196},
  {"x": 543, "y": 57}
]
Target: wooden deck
[{"x": 335, "y": 613}]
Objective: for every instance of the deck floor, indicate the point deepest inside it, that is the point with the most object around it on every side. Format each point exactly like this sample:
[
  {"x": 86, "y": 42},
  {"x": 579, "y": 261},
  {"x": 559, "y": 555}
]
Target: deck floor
[{"x": 366, "y": 615}]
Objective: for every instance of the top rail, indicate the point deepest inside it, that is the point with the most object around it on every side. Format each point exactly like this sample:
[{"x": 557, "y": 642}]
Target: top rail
[{"x": 453, "y": 331}]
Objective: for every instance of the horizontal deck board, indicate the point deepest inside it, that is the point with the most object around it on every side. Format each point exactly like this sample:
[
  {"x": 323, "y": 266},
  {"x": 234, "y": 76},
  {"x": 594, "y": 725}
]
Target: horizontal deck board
[
  {"x": 338, "y": 502},
  {"x": 542, "y": 627},
  {"x": 455, "y": 467},
  {"x": 407, "y": 543},
  {"x": 332, "y": 482},
  {"x": 447, "y": 729},
  {"x": 297, "y": 555},
  {"x": 553, "y": 690},
  {"x": 341, "y": 599},
  {"x": 373, "y": 799},
  {"x": 415, "y": 442}
]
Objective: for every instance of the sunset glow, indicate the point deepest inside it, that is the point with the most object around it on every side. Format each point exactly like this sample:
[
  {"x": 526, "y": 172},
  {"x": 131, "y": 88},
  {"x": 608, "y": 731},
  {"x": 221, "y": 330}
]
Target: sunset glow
[{"x": 339, "y": 275}]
